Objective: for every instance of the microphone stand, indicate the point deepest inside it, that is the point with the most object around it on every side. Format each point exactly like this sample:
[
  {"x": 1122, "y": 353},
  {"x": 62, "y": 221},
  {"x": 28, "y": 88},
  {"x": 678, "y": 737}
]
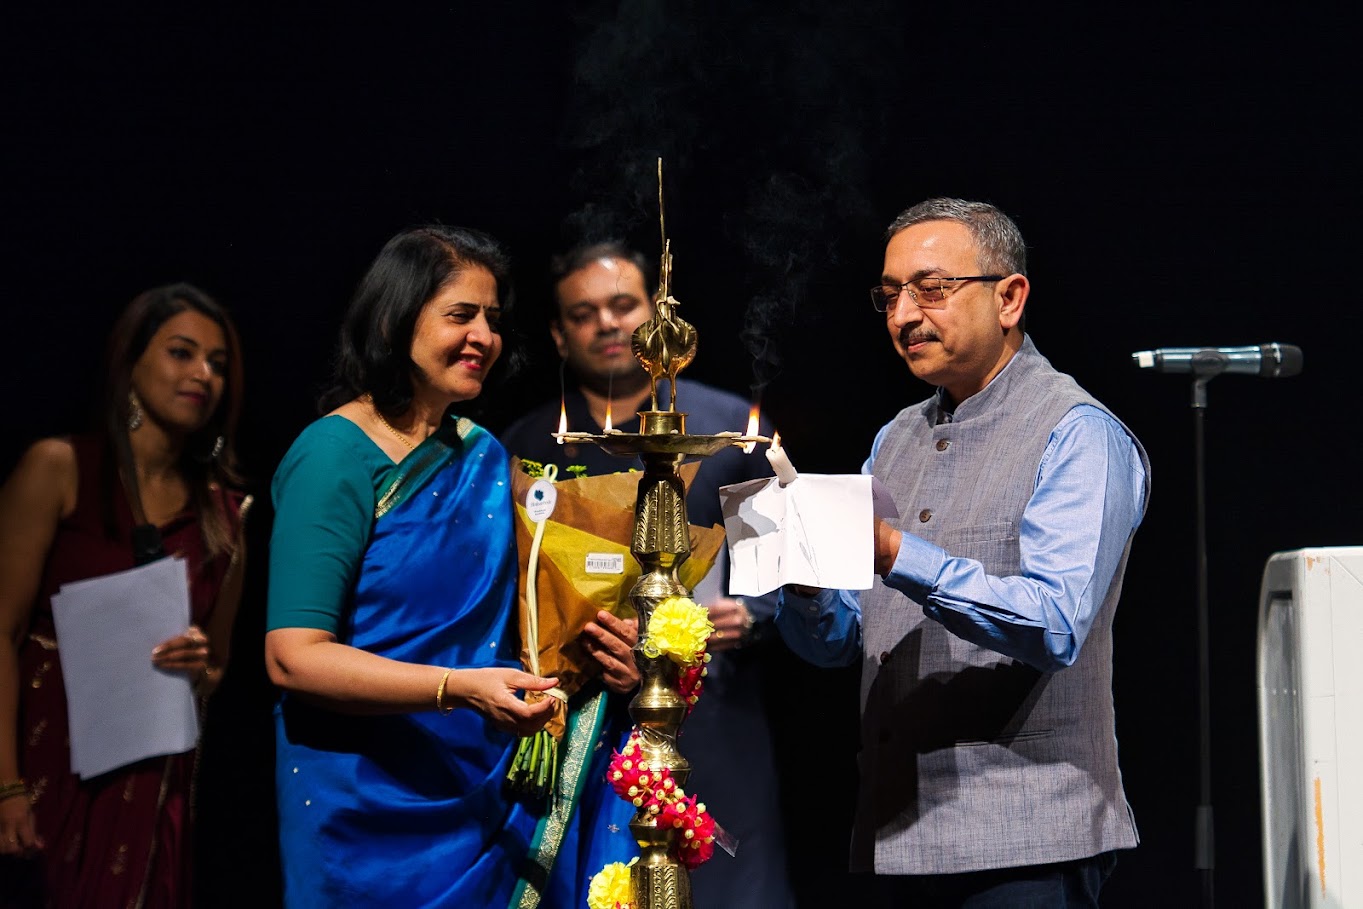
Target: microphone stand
[
  {"x": 1207, "y": 363},
  {"x": 1203, "y": 847}
]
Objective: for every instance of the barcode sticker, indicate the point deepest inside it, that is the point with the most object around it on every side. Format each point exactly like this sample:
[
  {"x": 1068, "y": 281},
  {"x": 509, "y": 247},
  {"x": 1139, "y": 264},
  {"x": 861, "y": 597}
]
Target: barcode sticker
[{"x": 605, "y": 563}]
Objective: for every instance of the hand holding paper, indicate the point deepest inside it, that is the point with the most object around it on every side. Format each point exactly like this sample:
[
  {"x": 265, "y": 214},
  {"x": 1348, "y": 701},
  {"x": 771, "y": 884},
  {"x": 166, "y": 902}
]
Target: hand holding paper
[
  {"x": 187, "y": 653},
  {"x": 817, "y": 532},
  {"x": 122, "y": 707}
]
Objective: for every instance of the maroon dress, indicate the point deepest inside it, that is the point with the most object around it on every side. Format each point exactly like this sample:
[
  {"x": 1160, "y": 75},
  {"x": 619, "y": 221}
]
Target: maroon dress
[{"x": 119, "y": 840}]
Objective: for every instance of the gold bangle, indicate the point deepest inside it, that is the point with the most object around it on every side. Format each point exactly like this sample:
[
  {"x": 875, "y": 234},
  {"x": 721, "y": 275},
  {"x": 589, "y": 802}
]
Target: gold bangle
[
  {"x": 440, "y": 694},
  {"x": 11, "y": 788}
]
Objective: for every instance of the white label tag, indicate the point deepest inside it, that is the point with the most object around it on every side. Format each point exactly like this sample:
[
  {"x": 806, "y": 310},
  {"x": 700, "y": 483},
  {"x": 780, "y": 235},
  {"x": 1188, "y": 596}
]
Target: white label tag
[
  {"x": 605, "y": 563},
  {"x": 540, "y": 500}
]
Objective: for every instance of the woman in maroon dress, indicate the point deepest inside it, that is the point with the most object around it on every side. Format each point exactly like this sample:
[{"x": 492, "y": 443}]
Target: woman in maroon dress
[{"x": 163, "y": 460}]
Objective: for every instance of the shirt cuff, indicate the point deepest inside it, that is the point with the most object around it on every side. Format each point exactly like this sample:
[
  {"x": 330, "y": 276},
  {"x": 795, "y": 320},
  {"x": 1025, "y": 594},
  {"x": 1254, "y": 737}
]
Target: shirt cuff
[{"x": 917, "y": 567}]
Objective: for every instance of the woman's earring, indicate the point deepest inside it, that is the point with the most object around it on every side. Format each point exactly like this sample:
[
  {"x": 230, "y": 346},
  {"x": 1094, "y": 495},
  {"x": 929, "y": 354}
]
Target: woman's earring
[
  {"x": 217, "y": 448},
  {"x": 134, "y": 411}
]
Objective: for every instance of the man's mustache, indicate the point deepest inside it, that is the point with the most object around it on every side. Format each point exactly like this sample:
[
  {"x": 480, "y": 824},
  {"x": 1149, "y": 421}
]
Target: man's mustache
[{"x": 915, "y": 336}]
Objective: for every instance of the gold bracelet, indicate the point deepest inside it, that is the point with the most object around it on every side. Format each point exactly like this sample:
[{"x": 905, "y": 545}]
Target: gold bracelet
[
  {"x": 10, "y": 789},
  {"x": 440, "y": 694}
]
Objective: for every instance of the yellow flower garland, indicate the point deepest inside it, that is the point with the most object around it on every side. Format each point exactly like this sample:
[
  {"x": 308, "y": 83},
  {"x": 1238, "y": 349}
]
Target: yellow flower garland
[
  {"x": 678, "y": 628},
  {"x": 610, "y": 888}
]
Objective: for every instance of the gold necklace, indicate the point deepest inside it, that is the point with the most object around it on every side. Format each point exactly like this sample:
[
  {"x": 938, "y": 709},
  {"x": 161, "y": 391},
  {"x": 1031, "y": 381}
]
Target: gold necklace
[{"x": 389, "y": 426}]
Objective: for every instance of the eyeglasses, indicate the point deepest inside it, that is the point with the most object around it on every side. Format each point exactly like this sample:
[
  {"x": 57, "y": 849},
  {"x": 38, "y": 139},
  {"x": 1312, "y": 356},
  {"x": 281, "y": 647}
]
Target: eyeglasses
[{"x": 926, "y": 293}]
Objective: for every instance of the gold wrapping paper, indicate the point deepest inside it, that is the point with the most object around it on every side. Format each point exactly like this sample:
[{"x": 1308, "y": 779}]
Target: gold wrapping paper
[{"x": 592, "y": 515}]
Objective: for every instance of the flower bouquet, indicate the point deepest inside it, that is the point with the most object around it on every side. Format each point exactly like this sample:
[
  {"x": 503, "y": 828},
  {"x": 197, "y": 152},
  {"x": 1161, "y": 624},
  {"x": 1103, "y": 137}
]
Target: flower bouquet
[{"x": 573, "y": 538}]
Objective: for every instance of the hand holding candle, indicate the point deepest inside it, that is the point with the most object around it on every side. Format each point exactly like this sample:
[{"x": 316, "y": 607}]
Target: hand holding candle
[{"x": 785, "y": 471}]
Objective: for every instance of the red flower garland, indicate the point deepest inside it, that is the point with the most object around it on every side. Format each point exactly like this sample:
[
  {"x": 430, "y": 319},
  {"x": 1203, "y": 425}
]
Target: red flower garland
[
  {"x": 653, "y": 790},
  {"x": 689, "y": 680},
  {"x": 696, "y": 840}
]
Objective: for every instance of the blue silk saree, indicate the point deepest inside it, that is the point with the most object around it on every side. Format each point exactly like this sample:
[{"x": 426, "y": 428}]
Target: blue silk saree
[{"x": 410, "y": 809}]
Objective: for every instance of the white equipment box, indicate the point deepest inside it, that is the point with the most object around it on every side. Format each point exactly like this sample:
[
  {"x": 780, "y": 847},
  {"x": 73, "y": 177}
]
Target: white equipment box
[{"x": 1311, "y": 727}]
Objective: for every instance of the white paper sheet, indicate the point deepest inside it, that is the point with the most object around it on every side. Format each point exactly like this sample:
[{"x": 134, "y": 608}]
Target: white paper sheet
[
  {"x": 122, "y": 708},
  {"x": 816, "y": 531}
]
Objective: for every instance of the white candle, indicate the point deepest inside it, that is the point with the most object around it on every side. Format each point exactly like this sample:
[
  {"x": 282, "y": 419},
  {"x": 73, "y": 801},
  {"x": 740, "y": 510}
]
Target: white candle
[
  {"x": 562, "y": 403},
  {"x": 785, "y": 471}
]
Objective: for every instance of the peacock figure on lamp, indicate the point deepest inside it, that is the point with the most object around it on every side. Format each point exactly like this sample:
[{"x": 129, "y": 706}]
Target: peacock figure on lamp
[{"x": 666, "y": 343}]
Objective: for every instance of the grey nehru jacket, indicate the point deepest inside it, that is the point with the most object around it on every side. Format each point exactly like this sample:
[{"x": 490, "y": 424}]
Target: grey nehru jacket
[{"x": 972, "y": 760}]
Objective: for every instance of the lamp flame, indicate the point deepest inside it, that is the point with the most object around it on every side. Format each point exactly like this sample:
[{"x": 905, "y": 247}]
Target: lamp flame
[
  {"x": 751, "y": 430},
  {"x": 776, "y": 440},
  {"x": 608, "y": 425},
  {"x": 562, "y": 420}
]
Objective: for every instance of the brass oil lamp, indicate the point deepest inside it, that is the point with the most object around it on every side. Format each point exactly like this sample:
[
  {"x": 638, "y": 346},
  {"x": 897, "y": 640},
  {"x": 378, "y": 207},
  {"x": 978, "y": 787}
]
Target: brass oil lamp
[{"x": 665, "y": 345}]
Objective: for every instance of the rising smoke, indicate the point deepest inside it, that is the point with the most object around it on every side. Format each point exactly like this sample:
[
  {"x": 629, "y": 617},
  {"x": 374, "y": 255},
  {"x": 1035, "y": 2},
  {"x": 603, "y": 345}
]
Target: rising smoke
[{"x": 766, "y": 120}]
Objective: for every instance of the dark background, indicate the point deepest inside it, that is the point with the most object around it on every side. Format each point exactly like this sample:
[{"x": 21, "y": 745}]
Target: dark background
[{"x": 1181, "y": 180}]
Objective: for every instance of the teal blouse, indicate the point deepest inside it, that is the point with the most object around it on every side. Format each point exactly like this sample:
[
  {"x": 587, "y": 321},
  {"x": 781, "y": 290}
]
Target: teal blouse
[{"x": 324, "y": 492}]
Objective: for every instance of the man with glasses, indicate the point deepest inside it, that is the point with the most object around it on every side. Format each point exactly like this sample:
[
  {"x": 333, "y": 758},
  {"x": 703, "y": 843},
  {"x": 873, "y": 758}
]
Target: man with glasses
[{"x": 988, "y": 759}]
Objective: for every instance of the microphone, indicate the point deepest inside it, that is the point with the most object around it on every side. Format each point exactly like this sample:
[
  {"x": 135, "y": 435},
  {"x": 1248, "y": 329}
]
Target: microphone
[{"x": 1272, "y": 361}]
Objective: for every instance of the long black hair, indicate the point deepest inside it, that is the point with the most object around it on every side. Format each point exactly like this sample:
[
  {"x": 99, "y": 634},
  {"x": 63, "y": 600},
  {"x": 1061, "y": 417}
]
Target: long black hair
[{"x": 373, "y": 356}]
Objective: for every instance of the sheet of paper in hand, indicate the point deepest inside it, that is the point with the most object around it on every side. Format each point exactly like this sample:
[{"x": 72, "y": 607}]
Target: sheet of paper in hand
[
  {"x": 816, "y": 531},
  {"x": 122, "y": 708}
]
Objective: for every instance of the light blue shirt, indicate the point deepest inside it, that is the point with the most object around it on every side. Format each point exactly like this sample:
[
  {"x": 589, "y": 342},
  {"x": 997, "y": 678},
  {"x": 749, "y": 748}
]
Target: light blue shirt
[{"x": 1089, "y": 499}]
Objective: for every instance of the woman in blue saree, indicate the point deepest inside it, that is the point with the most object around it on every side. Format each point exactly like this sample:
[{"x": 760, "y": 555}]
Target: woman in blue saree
[{"x": 391, "y": 618}]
